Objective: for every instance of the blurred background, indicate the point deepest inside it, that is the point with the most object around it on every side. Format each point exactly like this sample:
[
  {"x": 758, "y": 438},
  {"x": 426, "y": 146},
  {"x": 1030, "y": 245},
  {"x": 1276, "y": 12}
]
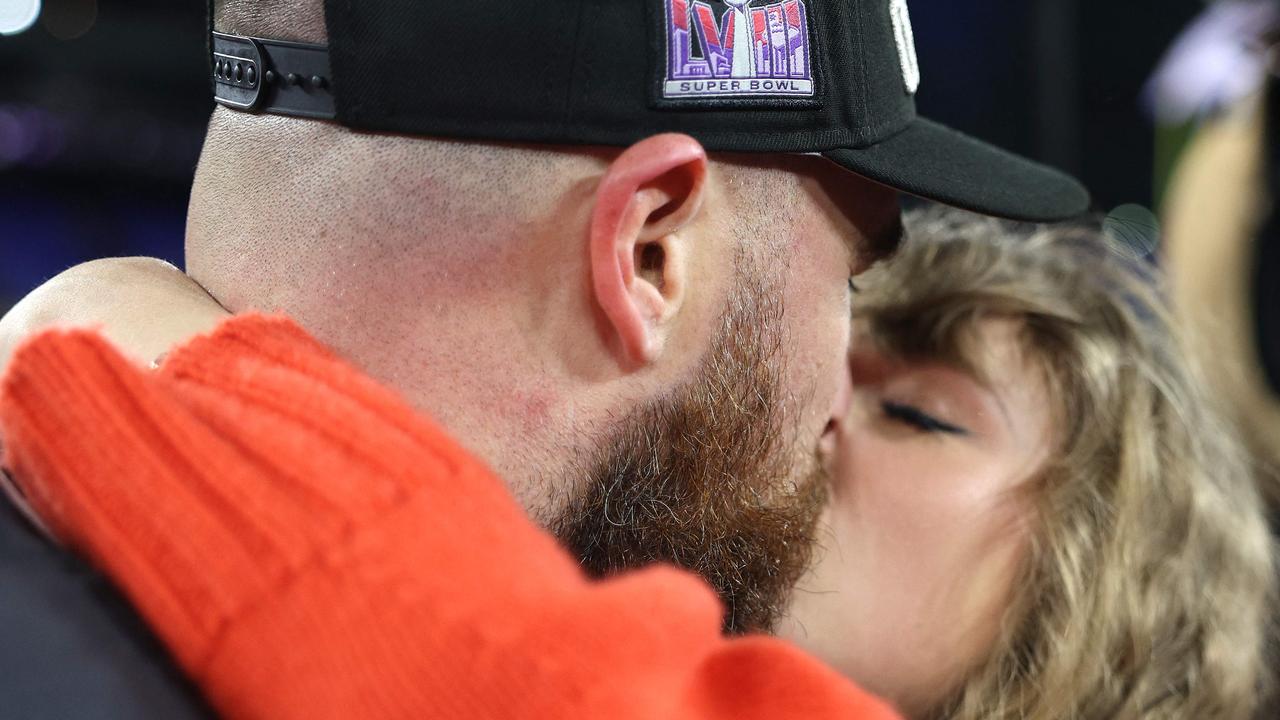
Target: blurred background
[
  {"x": 103, "y": 105},
  {"x": 102, "y": 112}
]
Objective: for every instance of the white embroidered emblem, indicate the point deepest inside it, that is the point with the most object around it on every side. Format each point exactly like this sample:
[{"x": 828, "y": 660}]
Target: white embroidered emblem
[{"x": 906, "y": 39}]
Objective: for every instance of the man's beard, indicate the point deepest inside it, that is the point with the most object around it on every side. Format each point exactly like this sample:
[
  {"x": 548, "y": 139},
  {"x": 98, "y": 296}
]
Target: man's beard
[{"x": 705, "y": 478}]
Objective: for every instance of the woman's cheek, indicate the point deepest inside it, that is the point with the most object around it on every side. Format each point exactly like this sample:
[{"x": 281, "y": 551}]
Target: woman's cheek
[{"x": 919, "y": 489}]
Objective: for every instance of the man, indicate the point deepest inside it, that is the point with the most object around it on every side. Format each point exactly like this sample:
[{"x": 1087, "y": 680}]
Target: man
[{"x": 646, "y": 344}]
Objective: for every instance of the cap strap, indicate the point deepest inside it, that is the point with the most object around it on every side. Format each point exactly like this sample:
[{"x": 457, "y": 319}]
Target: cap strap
[{"x": 272, "y": 76}]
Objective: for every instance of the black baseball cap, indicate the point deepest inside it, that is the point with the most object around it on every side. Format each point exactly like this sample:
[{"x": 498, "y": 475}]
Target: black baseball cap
[{"x": 835, "y": 78}]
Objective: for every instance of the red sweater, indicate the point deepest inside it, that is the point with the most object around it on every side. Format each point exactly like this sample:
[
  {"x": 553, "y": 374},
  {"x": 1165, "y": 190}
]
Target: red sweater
[{"x": 308, "y": 547}]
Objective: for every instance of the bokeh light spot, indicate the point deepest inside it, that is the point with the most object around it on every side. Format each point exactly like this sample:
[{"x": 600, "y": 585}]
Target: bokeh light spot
[
  {"x": 70, "y": 19},
  {"x": 1133, "y": 230},
  {"x": 18, "y": 15}
]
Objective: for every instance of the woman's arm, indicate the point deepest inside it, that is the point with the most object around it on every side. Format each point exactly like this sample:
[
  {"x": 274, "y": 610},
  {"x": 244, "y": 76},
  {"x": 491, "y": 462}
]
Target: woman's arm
[{"x": 144, "y": 306}]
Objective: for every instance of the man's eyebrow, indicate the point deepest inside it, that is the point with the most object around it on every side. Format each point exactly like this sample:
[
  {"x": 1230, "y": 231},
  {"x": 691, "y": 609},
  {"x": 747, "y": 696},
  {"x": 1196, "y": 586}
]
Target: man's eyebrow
[{"x": 884, "y": 243}]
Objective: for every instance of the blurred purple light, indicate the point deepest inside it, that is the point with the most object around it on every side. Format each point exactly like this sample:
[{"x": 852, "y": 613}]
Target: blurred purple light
[
  {"x": 50, "y": 140},
  {"x": 129, "y": 141},
  {"x": 1220, "y": 59},
  {"x": 15, "y": 141}
]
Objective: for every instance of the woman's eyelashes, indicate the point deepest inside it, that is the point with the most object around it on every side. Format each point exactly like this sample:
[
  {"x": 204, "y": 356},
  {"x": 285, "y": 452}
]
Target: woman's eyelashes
[{"x": 919, "y": 419}]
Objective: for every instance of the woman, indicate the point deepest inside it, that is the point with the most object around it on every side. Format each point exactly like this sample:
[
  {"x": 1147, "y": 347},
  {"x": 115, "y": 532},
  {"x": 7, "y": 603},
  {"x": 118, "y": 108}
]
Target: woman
[{"x": 1034, "y": 513}]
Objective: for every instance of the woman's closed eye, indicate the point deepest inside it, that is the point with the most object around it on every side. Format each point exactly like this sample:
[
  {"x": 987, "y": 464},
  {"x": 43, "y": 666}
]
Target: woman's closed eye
[{"x": 919, "y": 419}]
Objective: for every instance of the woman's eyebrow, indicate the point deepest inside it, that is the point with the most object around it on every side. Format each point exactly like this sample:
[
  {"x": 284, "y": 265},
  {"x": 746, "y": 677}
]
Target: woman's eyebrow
[{"x": 987, "y": 386}]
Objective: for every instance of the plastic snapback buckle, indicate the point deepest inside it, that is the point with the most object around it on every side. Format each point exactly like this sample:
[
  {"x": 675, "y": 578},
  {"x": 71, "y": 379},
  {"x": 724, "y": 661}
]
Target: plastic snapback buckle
[{"x": 272, "y": 76}]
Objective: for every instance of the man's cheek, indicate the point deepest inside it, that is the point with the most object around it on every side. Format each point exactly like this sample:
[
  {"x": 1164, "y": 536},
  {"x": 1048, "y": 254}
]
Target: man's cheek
[
  {"x": 815, "y": 369},
  {"x": 816, "y": 339}
]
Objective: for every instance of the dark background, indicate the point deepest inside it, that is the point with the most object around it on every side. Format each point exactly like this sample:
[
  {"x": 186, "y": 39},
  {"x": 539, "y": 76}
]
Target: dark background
[{"x": 103, "y": 105}]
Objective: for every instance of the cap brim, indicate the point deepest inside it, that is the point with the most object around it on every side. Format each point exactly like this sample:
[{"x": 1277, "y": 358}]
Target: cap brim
[{"x": 938, "y": 163}]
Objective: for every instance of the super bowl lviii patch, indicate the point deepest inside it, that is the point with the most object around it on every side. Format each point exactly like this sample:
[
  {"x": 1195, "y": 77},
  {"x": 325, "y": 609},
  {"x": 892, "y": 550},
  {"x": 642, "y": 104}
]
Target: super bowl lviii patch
[{"x": 731, "y": 49}]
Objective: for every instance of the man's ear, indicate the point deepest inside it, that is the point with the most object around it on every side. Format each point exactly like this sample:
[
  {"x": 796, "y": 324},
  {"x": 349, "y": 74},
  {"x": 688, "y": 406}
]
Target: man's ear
[{"x": 639, "y": 262}]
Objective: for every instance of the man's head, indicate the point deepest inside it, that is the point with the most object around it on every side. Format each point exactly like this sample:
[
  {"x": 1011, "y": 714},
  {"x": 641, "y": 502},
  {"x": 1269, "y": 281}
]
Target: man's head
[
  {"x": 647, "y": 342},
  {"x": 647, "y": 326}
]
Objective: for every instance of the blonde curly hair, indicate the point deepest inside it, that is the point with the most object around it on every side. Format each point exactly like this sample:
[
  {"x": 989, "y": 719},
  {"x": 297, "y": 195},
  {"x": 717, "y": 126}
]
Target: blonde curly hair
[{"x": 1148, "y": 584}]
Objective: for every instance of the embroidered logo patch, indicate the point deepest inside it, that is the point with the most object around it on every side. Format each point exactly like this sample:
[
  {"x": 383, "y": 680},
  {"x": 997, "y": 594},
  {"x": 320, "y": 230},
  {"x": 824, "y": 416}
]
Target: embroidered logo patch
[
  {"x": 906, "y": 39},
  {"x": 730, "y": 49}
]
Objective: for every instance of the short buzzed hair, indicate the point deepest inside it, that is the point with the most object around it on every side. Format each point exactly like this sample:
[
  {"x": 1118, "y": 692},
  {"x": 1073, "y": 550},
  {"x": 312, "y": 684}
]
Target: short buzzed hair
[
  {"x": 296, "y": 20},
  {"x": 465, "y": 195}
]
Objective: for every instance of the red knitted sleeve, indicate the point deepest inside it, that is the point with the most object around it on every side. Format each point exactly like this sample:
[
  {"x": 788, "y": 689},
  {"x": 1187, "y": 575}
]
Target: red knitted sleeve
[{"x": 308, "y": 547}]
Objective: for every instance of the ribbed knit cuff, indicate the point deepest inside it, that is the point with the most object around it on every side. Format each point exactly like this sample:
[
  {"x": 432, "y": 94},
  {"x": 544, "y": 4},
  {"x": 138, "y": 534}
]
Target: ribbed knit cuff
[
  {"x": 213, "y": 482},
  {"x": 95, "y": 450}
]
